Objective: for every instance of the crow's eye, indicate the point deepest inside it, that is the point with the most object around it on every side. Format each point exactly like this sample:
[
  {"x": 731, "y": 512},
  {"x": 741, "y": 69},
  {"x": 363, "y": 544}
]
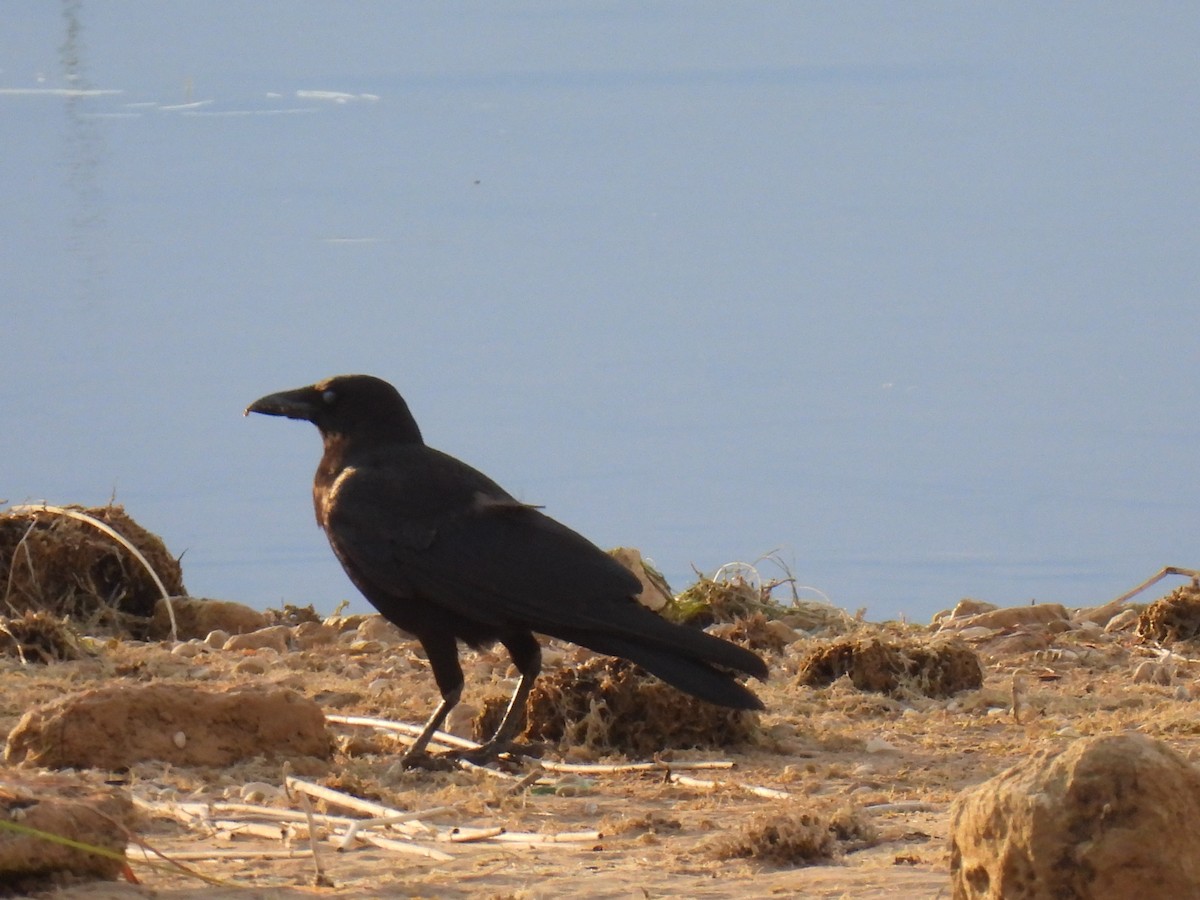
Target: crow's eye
[{"x": 328, "y": 397}]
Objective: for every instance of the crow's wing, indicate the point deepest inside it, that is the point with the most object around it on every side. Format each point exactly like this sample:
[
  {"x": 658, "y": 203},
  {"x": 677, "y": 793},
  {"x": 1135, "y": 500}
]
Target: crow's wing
[
  {"x": 422, "y": 526},
  {"x": 433, "y": 529}
]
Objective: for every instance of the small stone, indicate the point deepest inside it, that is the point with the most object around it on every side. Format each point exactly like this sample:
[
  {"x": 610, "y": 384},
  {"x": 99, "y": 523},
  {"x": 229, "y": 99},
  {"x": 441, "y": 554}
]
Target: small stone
[
  {"x": 251, "y": 665},
  {"x": 1125, "y": 619},
  {"x": 260, "y": 792},
  {"x": 307, "y": 635},
  {"x": 180, "y": 739},
  {"x": 217, "y": 638},
  {"x": 378, "y": 629},
  {"x": 274, "y": 636},
  {"x": 1149, "y": 671}
]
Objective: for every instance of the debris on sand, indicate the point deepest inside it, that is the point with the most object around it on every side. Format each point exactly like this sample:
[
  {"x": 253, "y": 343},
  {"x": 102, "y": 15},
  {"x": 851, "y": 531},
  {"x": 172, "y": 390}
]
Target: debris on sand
[
  {"x": 757, "y": 632},
  {"x": 1111, "y": 817},
  {"x": 71, "y": 809},
  {"x": 724, "y": 599},
  {"x": 62, "y": 561},
  {"x": 796, "y": 837},
  {"x": 611, "y": 705},
  {"x": 1175, "y": 617},
  {"x": 115, "y": 727},
  {"x": 39, "y": 637},
  {"x": 896, "y": 667},
  {"x": 737, "y": 593}
]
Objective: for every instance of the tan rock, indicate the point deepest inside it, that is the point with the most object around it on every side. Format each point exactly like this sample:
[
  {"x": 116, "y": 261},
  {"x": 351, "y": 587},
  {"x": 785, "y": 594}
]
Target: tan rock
[
  {"x": 963, "y": 609},
  {"x": 1023, "y": 640},
  {"x": 307, "y": 635},
  {"x": 115, "y": 727},
  {"x": 1110, "y": 818},
  {"x": 1010, "y": 617},
  {"x": 656, "y": 593},
  {"x": 195, "y": 617},
  {"x": 1125, "y": 619},
  {"x": 274, "y": 636},
  {"x": 377, "y": 628}
]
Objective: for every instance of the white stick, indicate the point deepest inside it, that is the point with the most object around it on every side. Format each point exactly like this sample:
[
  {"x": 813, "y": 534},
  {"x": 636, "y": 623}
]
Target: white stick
[
  {"x": 769, "y": 793},
  {"x": 405, "y": 847}
]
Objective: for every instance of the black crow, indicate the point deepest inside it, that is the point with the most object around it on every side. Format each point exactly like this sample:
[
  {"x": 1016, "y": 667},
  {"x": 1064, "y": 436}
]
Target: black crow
[{"x": 448, "y": 555}]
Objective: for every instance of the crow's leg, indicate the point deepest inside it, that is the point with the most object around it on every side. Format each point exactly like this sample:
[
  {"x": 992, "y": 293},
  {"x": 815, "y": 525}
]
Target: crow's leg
[
  {"x": 442, "y": 652},
  {"x": 526, "y": 655}
]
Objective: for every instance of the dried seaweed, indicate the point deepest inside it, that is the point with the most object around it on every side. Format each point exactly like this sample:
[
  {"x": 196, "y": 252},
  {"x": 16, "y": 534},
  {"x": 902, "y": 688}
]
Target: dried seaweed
[
  {"x": 938, "y": 669},
  {"x": 612, "y": 705},
  {"x": 66, "y": 567}
]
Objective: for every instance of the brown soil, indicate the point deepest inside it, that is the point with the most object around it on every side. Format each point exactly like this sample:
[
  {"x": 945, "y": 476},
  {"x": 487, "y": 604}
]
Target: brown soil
[{"x": 859, "y": 782}]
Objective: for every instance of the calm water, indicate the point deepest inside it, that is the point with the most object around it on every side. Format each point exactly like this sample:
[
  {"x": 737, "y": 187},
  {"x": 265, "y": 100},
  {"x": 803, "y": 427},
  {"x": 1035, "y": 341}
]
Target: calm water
[{"x": 907, "y": 293}]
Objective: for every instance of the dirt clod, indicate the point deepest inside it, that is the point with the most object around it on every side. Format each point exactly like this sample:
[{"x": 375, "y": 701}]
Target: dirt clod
[
  {"x": 115, "y": 727},
  {"x": 1109, "y": 818},
  {"x": 69, "y": 807},
  {"x": 930, "y": 669}
]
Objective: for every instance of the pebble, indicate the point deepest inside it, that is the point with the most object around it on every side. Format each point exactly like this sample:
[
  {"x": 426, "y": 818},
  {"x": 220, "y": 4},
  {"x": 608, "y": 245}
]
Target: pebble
[
  {"x": 216, "y": 639},
  {"x": 189, "y": 649},
  {"x": 274, "y": 636}
]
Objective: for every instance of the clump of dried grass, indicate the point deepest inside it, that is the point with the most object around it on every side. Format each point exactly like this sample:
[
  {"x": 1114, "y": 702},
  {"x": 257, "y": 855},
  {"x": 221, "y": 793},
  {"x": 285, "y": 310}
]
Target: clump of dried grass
[
  {"x": 896, "y": 667},
  {"x": 739, "y": 592},
  {"x": 65, "y": 566},
  {"x": 1175, "y": 617},
  {"x": 735, "y": 592},
  {"x": 796, "y": 837},
  {"x": 611, "y": 705},
  {"x": 39, "y": 637}
]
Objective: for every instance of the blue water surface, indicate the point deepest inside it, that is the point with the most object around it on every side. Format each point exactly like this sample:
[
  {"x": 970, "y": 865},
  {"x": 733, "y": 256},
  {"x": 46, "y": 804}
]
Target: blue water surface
[{"x": 906, "y": 294}]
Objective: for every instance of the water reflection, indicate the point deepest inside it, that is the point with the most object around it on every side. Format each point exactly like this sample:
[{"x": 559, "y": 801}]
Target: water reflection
[{"x": 84, "y": 151}]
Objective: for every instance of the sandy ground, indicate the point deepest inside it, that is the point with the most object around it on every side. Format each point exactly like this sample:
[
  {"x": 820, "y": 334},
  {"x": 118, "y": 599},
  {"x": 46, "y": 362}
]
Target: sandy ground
[{"x": 898, "y": 762}]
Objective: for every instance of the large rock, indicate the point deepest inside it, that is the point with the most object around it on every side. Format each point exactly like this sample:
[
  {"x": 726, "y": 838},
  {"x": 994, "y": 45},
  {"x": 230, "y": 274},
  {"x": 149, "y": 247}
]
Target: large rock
[
  {"x": 195, "y": 617},
  {"x": 115, "y": 727},
  {"x": 1110, "y": 818}
]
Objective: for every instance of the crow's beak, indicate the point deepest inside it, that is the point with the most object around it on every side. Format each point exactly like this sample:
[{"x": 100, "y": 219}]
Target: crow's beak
[{"x": 302, "y": 403}]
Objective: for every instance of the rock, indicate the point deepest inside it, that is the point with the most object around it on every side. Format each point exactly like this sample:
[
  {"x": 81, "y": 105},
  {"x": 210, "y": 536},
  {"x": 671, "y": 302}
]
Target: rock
[
  {"x": 1023, "y": 640},
  {"x": 307, "y": 635},
  {"x": 963, "y": 609},
  {"x": 377, "y": 628},
  {"x": 1126, "y": 618},
  {"x": 115, "y": 727},
  {"x": 195, "y": 617},
  {"x": 70, "y": 807},
  {"x": 656, "y": 593},
  {"x": 273, "y": 636},
  {"x": 342, "y": 624},
  {"x": 216, "y": 639},
  {"x": 1110, "y": 818},
  {"x": 1151, "y": 671},
  {"x": 1010, "y": 617}
]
